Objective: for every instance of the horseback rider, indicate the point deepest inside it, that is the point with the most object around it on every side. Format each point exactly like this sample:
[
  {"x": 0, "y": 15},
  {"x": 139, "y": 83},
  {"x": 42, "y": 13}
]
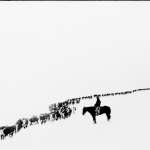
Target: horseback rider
[{"x": 97, "y": 105}]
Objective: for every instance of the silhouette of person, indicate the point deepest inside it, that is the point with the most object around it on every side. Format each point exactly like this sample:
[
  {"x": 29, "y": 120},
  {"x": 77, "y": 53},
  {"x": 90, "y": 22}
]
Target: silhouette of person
[
  {"x": 98, "y": 102},
  {"x": 97, "y": 105}
]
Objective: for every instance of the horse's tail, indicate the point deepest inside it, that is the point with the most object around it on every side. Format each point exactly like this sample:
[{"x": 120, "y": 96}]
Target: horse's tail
[{"x": 107, "y": 111}]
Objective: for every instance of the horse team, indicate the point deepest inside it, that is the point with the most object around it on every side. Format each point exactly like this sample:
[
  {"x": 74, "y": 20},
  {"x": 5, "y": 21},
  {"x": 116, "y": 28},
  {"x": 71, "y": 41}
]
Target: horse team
[
  {"x": 21, "y": 123},
  {"x": 58, "y": 111}
]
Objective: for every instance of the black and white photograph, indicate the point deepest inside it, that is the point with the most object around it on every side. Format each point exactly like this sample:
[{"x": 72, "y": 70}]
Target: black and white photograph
[{"x": 74, "y": 75}]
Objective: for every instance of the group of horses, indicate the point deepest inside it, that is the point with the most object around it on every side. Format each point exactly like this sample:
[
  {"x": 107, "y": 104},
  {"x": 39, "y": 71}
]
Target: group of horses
[
  {"x": 21, "y": 124},
  {"x": 58, "y": 111},
  {"x": 61, "y": 111}
]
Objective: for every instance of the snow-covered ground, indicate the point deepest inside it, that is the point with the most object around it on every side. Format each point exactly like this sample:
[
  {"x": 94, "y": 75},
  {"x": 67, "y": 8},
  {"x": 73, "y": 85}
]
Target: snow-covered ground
[{"x": 52, "y": 52}]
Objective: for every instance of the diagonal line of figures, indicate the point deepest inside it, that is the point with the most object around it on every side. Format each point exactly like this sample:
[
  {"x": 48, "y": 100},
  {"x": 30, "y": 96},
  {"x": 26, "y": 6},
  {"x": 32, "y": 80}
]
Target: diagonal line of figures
[{"x": 57, "y": 111}]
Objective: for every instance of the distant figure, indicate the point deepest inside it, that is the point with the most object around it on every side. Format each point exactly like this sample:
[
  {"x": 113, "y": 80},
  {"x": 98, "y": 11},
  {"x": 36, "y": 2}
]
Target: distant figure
[
  {"x": 25, "y": 122},
  {"x": 34, "y": 120},
  {"x": 44, "y": 117},
  {"x": 97, "y": 110},
  {"x": 97, "y": 105},
  {"x": 98, "y": 102},
  {"x": 8, "y": 130},
  {"x": 19, "y": 125},
  {"x": 65, "y": 112}
]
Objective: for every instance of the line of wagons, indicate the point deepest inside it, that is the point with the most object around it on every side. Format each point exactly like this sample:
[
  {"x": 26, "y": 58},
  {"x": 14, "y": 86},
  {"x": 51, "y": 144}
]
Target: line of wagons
[{"x": 55, "y": 114}]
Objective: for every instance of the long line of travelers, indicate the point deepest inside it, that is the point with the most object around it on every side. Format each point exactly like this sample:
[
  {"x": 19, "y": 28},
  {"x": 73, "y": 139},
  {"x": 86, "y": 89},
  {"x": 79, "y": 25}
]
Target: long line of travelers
[{"x": 57, "y": 111}]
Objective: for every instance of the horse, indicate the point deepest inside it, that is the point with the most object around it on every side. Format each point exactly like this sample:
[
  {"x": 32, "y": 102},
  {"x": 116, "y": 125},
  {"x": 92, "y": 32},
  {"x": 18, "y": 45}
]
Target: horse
[
  {"x": 34, "y": 119},
  {"x": 96, "y": 111},
  {"x": 19, "y": 124},
  {"x": 55, "y": 115},
  {"x": 9, "y": 130},
  {"x": 47, "y": 116},
  {"x": 66, "y": 111},
  {"x": 44, "y": 117},
  {"x": 55, "y": 111}
]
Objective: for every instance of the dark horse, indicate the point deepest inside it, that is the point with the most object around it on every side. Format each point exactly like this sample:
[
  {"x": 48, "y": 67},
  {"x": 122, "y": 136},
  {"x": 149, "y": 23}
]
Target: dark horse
[
  {"x": 93, "y": 112},
  {"x": 33, "y": 120},
  {"x": 9, "y": 130},
  {"x": 19, "y": 124},
  {"x": 44, "y": 117},
  {"x": 97, "y": 110}
]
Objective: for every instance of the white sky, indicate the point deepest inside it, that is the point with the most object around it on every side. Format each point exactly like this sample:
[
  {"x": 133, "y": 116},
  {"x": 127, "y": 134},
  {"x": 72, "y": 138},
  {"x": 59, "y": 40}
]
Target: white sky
[{"x": 53, "y": 51}]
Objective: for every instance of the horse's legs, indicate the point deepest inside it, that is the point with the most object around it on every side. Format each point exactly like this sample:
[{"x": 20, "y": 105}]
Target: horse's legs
[
  {"x": 108, "y": 116},
  {"x": 94, "y": 118},
  {"x": 11, "y": 134},
  {"x": 2, "y": 137}
]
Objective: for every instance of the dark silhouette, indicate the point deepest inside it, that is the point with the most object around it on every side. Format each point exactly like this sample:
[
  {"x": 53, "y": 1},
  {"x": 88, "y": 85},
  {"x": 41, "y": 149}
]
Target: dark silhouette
[
  {"x": 2, "y": 127},
  {"x": 44, "y": 118},
  {"x": 47, "y": 115},
  {"x": 65, "y": 112},
  {"x": 62, "y": 109},
  {"x": 33, "y": 120},
  {"x": 98, "y": 102},
  {"x": 91, "y": 110},
  {"x": 1, "y": 131},
  {"x": 97, "y": 110},
  {"x": 9, "y": 130},
  {"x": 25, "y": 122},
  {"x": 54, "y": 111},
  {"x": 19, "y": 124}
]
